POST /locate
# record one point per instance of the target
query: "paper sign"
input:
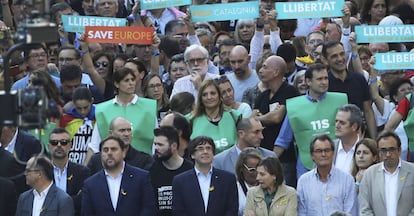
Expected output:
(229, 11)
(309, 9)
(127, 35)
(384, 33)
(394, 61)
(155, 4)
(78, 23)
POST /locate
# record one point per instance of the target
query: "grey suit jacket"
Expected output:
(372, 198)
(57, 203)
(227, 159)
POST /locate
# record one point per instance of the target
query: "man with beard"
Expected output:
(386, 188)
(122, 128)
(167, 165)
(120, 189)
(68, 176)
(224, 51)
(242, 77)
(196, 57)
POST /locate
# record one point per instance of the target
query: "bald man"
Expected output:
(270, 105)
(242, 77)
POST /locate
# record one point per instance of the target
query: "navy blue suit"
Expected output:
(136, 196)
(223, 198)
(26, 145)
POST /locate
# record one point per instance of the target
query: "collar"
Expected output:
(340, 147)
(44, 192)
(313, 100)
(64, 168)
(331, 172)
(120, 174)
(133, 101)
(385, 170)
(198, 172)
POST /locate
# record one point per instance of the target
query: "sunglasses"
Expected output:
(103, 64)
(250, 169)
(63, 142)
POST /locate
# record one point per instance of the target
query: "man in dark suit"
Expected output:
(45, 198)
(68, 176)
(119, 189)
(20, 143)
(8, 197)
(204, 190)
(10, 169)
(122, 128)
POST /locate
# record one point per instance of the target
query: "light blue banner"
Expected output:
(155, 4)
(394, 61)
(309, 9)
(224, 11)
(78, 23)
(384, 33)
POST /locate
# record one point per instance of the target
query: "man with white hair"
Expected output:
(196, 58)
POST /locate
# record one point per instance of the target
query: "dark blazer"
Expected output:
(223, 199)
(133, 157)
(8, 197)
(77, 174)
(136, 196)
(26, 145)
(57, 202)
(9, 168)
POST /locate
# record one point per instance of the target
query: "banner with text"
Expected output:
(78, 23)
(228, 11)
(155, 4)
(394, 61)
(384, 33)
(309, 9)
(127, 35)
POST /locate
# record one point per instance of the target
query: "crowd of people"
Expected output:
(237, 117)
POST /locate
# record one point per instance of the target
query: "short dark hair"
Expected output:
(176, 58)
(30, 47)
(120, 74)
(82, 93)
(59, 130)
(327, 45)
(77, 52)
(273, 167)
(287, 51)
(70, 72)
(200, 140)
(117, 139)
(182, 102)
(321, 137)
(169, 27)
(385, 134)
(169, 132)
(181, 123)
(356, 116)
(227, 42)
(395, 85)
(312, 68)
(43, 164)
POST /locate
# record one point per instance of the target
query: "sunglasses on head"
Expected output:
(62, 142)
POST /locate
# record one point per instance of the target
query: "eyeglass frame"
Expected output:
(250, 169)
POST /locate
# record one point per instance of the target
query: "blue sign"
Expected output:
(394, 61)
(155, 4)
(78, 23)
(384, 33)
(309, 9)
(225, 11)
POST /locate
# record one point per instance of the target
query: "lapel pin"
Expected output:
(70, 177)
(403, 178)
(211, 188)
(123, 192)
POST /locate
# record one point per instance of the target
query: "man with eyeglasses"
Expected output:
(35, 57)
(45, 198)
(249, 134)
(386, 188)
(168, 164)
(325, 188)
(69, 55)
(204, 190)
(196, 57)
(68, 176)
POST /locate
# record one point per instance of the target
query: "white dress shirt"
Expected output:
(38, 200)
(60, 176)
(344, 159)
(114, 186)
(204, 181)
(391, 190)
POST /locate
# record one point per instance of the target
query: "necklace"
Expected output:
(215, 119)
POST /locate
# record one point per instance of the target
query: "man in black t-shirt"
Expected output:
(167, 165)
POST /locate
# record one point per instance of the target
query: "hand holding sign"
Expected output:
(189, 23)
(346, 17)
